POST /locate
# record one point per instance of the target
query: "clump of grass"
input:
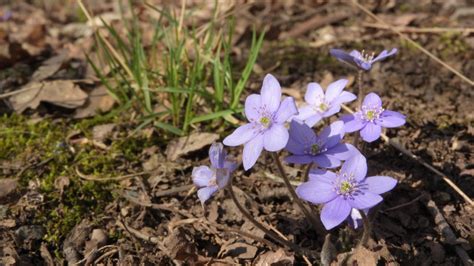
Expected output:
(186, 74)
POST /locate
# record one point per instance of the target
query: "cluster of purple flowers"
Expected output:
(345, 192)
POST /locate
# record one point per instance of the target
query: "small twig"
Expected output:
(260, 226)
(11, 93)
(115, 178)
(417, 159)
(406, 38)
(172, 191)
(308, 214)
(360, 94)
(447, 232)
(419, 30)
(367, 230)
(405, 204)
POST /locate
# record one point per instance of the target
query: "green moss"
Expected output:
(452, 44)
(44, 146)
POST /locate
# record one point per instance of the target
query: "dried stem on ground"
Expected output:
(260, 226)
(447, 232)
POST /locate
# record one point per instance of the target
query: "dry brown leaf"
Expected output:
(101, 132)
(60, 183)
(99, 100)
(193, 142)
(275, 258)
(49, 67)
(7, 186)
(241, 250)
(58, 92)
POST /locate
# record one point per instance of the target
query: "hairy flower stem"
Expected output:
(360, 96)
(367, 230)
(314, 222)
(260, 226)
(306, 173)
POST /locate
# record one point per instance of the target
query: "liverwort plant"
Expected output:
(361, 60)
(267, 116)
(342, 191)
(325, 150)
(320, 104)
(211, 179)
(371, 117)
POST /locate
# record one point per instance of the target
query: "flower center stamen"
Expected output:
(371, 113)
(366, 57)
(265, 121)
(345, 187)
(315, 149)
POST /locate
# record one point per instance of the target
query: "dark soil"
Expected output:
(156, 219)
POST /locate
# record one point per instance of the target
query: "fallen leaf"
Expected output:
(62, 93)
(101, 132)
(60, 183)
(278, 257)
(7, 186)
(99, 101)
(241, 250)
(49, 67)
(193, 142)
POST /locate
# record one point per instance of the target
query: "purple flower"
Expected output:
(320, 104)
(210, 179)
(344, 190)
(267, 117)
(371, 118)
(355, 219)
(325, 149)
(361, 60)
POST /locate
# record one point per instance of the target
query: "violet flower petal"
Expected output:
(352, 123)
(271, 93)
(241, 135)
(252, 150)
(332, 134)
(335, 108)
(357, 166)
(299, 159)
(202, 175)
(286, 111)
(384, 54)
(391, 119)
(217, 155)
(275, 138)
(335, 88)
(335, 212)
(316, 192)
(371, 132)
(372, 100)
(342, 151)
(364, 200)
(252, 106)
(343, 56)
(345, 97)
(380, 184)
(325, 161)
(313, 120)
(313, 92)
(304, 112)
(322, 175)
(205, 193)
